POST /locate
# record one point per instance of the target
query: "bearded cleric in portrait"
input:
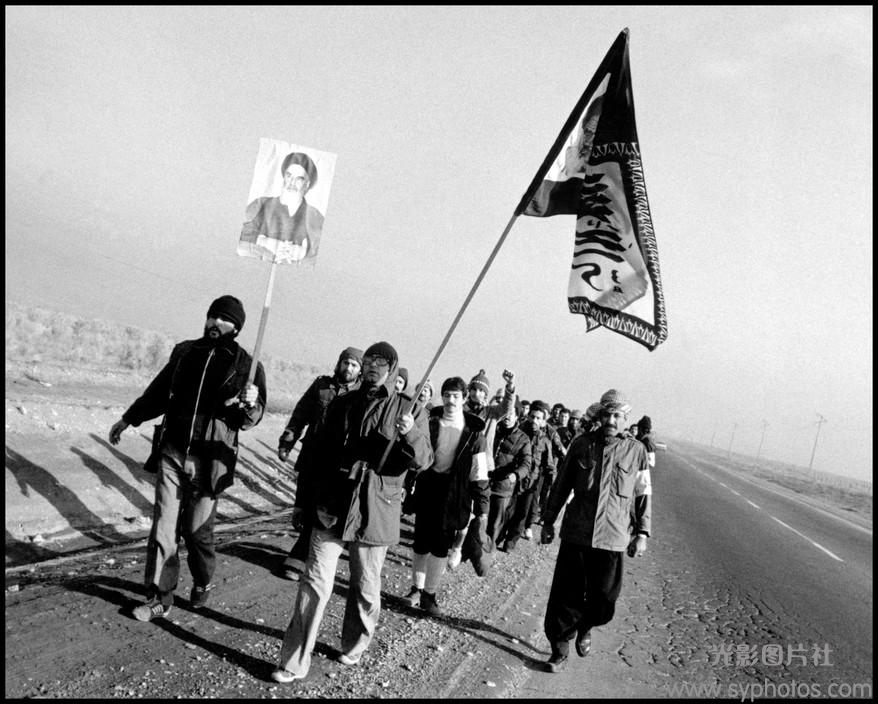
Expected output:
(285, 228)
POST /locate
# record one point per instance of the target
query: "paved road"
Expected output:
(735, 566)
(810, 571)
(732, 568)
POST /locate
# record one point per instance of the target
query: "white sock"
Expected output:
(419, 570)
(435, 569)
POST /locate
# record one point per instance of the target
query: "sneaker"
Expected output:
(347, 660)
(556, 663)
(199, 595)
(284, 676)
(413, 598)
(289, 574)
(428, 604)
(454, 556)
(150, 610)
(528, 534)
(583, 643)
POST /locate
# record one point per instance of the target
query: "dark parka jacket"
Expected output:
(543, 459)
(460, 496)
(365, 504)
(512, 455)
(308, 416)
(191, 391)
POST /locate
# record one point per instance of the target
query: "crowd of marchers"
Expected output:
(476, 472)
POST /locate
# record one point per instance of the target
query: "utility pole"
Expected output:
(759, 451)
(714, 433)
(811, 463)
(734, 428)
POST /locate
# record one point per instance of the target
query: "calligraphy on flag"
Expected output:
(286, 208)
(594, 171)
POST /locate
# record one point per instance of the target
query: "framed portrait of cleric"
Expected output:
(286, 207)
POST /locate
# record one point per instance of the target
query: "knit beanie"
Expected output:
(645, 424)
(614, 400)
(383, 349)
(229, 308)
(480, 381)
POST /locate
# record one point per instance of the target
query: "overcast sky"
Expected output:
(132, 135)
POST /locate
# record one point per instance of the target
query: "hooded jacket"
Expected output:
(355, 499)
(192, 390)
(605, 475)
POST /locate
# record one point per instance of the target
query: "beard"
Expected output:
(292, 199)
(214, 335)
(347, 376)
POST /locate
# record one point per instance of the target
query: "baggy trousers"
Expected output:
(585, 586)
(180, 509)
(362, 608)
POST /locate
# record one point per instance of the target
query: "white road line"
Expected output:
(733, 491)
(723, 485)
(751, 503)
(818, 545)
(787, 496)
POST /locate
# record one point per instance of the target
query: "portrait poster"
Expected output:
(287, 203)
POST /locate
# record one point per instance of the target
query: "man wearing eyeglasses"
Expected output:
(370, 439)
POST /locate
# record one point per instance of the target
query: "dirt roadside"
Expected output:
(76, 519)
(77, 513)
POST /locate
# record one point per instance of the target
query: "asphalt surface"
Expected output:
(737, 575)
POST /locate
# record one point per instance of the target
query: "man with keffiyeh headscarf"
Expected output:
(607, 470)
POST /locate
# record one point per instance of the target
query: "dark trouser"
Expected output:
(181, 508)
(533, 511)
(430, 499)
(299, 551)
(497, 515)
(540, 503)
(517, 521)
(585, 586)
(305, 489)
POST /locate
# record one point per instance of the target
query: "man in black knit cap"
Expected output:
(205, 398)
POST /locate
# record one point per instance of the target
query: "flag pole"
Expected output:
(619, 44)
(450, 332)
(257, 349)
